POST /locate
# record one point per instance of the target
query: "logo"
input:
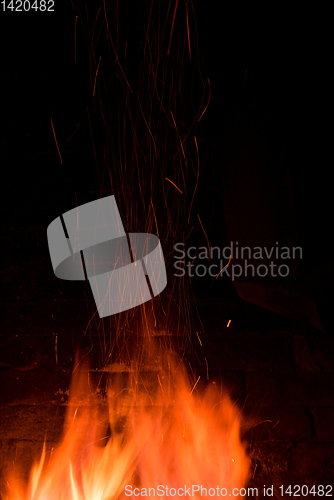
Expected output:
(123, 270)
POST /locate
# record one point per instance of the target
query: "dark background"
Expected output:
(287, 87)
(272, 65)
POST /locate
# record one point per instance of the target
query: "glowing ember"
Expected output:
(162, 435)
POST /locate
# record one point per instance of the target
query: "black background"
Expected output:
(273, 62)
(285, 51)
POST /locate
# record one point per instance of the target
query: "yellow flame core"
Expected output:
(160, 432)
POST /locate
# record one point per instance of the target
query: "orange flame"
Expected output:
(162, 435)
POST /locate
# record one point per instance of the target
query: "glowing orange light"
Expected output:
(168, 435)
(224, 267)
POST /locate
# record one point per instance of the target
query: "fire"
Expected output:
(152, 431)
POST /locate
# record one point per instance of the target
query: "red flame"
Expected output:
(164, 437)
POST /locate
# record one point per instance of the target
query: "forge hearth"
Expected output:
(140, 423)
(277, 374)
(208, 129)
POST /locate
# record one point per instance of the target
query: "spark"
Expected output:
(199, 340)
(156, 222)
(188, 234)
(113, 46)
(174, 184)
(148, 128)
(228, 324)
(54, 134)
(148, 25)
(192, 390)
(96, 75)
(207, 239)
(76, 130)
(188, 29)
(171, 32)
(207, 369)
(97, 441)
(254, 471)
(56, 349)
(162, 390)
(263, 422)
(207, 104)
(224, 267)
(184, 156)
(91, 47)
